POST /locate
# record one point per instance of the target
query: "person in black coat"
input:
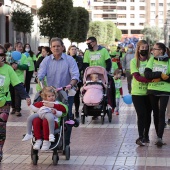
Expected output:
(72, 51)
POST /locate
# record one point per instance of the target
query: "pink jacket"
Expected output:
(93, 94)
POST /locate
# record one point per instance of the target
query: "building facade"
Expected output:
(6, 27)
(130, 15)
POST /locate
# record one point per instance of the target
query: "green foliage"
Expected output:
(111, 31)
(82, 25)
(54, 16)
(98, 29)
(118, 35)
(73, 24)
(152, 34)
(22, 20)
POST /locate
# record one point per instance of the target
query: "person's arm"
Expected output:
(86, 60)
(108, 64)
(140, 78)
(43, 68)
(22, 67)
(152, 75)
(38, 62)
(124, 63)
(80, 63)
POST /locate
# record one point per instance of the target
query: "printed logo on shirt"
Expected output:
(2, 80)
(117, 85)
(142, 69)
(95, 57)
(161, 68)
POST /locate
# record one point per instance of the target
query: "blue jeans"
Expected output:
(70, 106)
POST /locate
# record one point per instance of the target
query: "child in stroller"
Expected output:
(49, 109)
(94, 93)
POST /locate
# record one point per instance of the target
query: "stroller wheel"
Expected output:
(82, 119)
(110, 115)
(67, 152)
(34, 159)
(102, 120)
(55, 159)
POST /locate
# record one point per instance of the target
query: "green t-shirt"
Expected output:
(7, 77)
(161, 66)
(138, 88)
(118, 85)
(30, 61)
(114, 67)
(20, 73)
(96, 58)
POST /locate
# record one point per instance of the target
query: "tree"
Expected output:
(118, 35)
(22, 21)
(54, 16)
(98, 29)
(82, 25)
(111, 31)
(152, 34)
(73, 24)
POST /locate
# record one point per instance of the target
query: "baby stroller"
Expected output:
(100, 107)
(59, 143)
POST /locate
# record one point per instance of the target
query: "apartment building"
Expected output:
(130, 15)
(6, 27)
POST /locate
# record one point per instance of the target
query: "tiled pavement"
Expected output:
(93, 146)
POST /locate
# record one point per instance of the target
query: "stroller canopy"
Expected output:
(101, 71)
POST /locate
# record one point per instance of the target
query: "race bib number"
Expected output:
(161, 68)
(95, 57)
(29, 64)
(2, 80)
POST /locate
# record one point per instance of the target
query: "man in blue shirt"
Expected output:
(60, 69)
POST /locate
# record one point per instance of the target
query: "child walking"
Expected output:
(51, 114)
(118, 86)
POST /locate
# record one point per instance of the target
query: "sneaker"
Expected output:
(46, 145)
(117, 113)
(27, 137)
(160, 142)
(140, 142)
(18, 114)
(146, 140)
(13, 111)
(51, 138)
(168, 122)
(37, 144)
(94, 117)
(1, 156)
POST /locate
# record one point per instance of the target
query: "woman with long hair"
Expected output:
(139, 91)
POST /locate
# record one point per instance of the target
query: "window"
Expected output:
(122, 24)
(152, 4)
(132, 24)
(132, 16)
(121, 0)
(152, 12)
(141, 16)
(121, 16)
(141, 24)
(98, 16)
(160, 21)
(98, 8)
(135, 31)
(132, 8)
(142, 8)
(132, 0)
(168, 4)
(121, 7)
(160, 12)
(124, 31)
(161, 4)
(141, 0)
(152, 21)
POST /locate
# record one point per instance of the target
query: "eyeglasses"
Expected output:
(90, 42)
(156, 49)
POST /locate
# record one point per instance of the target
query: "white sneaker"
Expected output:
(37, 144)
(51, 138)
(46, 145)
(27, 137)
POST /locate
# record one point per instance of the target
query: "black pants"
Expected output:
(159, 104)
(16, 99)
(28, 80)
(77, 98)
(143, 109)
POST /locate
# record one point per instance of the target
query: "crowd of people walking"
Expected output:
(148, 80)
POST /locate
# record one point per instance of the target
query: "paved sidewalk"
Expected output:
(93, 146)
